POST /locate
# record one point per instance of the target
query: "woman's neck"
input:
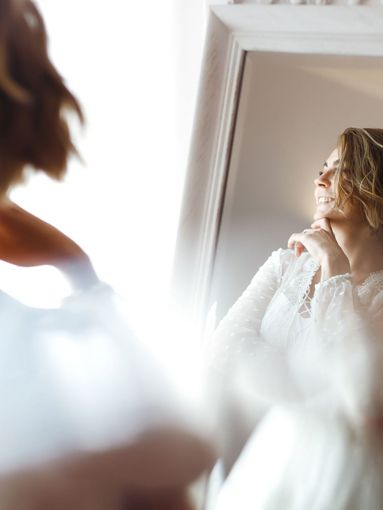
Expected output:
(362, 247)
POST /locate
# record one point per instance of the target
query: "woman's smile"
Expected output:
(324, 200)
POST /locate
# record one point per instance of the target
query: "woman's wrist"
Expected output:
(334, 266)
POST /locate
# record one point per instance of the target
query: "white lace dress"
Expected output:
(317, 367)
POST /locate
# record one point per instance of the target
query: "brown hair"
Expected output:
(33, 98)
(360, 172)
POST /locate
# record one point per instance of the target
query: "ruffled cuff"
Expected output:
(332, 291)
(334, 281)
(332, 303)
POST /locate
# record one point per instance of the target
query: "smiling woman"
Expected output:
(326, 196)
(303, 346)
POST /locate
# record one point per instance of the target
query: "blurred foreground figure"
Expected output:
(303, 347)
(87, 419)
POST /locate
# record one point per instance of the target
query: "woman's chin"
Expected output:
(324, 212)
(318, 215)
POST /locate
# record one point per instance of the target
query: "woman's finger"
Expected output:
(319, 223)
(323, 223)
(292, 240)
(299, 249)
(300, 237)
(295, 243)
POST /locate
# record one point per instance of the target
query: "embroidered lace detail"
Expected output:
(297, 285)
(238, 335)
(298, 279)
(238, 332)
(373, 283)
(333, 280)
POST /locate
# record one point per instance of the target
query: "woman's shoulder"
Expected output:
(370, 292)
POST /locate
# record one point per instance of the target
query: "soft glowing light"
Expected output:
(122, 207)
(135, 70)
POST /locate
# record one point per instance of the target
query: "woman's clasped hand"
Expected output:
(320, 242)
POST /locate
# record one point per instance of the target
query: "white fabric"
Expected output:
(317, 367)
(74, 379)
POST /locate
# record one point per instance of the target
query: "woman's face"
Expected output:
(324, 188)
(325, 194)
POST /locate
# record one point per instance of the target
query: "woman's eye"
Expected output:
(320, 173)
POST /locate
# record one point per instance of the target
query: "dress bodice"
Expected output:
(315, 367)
(282, 346)
(288, 318)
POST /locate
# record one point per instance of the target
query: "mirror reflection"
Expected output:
(297, 360)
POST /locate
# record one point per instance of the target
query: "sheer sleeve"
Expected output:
(339, 368)
(243, 364)
(349, 347)
(239, 329)
(236, 337)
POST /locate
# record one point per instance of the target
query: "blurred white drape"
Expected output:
(135, 67)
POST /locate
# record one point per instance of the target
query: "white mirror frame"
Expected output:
(235, 28)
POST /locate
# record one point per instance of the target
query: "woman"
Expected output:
(304, 343)
(87, 419)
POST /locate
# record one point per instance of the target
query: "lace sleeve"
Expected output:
(238, 332)
(237, 336)
(243, 366)
(349, 350)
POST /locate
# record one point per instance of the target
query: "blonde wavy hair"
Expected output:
(34, 100)
(359, 178)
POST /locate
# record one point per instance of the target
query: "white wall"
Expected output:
(191, 21)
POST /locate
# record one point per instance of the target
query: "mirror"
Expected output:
(291, 109)
(303, 63)
(279, 82)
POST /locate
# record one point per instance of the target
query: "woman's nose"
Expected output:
(323, 181)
